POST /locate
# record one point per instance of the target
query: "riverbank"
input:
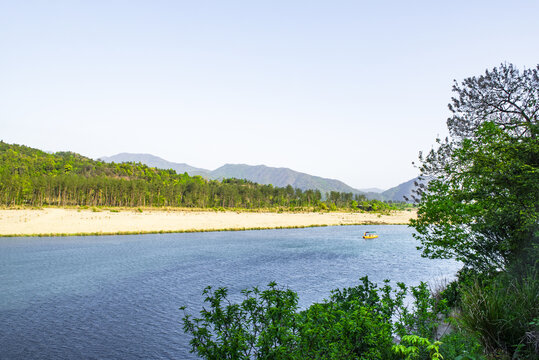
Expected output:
(72, 221)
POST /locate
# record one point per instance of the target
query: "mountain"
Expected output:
(262, 174)
(35, 178)
(281, 177)
(398, 192)
(157, 162)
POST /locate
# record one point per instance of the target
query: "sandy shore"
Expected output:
(73, 221)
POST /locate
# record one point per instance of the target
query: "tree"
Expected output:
(504, 96)
(482, 204)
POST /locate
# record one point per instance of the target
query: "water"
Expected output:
(117, 297)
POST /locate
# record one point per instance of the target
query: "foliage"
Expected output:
(424, 320)
(354, 323)
(466, 277)
(261, 326)
(481, 207)
(482, 204)
(503, 312)
(505, 96)
(416, 345)
(451, 294)
(34, 178)
(461, 345)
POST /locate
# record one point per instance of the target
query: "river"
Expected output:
(117, 297)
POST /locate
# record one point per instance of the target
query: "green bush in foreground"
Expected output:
(504, 312)
(461, 345)
(360, 322)
(415, 345)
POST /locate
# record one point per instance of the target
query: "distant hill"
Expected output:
(31, 177)
(157, 162)
(281, 177)
(261, 174)
(398, 192)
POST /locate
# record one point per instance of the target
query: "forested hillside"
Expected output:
(33, 177)
(260, 174)
(266, 175)
(281, 177)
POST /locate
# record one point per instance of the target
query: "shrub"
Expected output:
(466, 277)
(502, 312)
(354, 323)
(451, 294)
(418, 347)
(461, 345)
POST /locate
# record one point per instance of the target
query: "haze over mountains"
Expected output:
(262, 174)
(157, 162)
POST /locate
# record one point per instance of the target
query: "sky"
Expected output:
(350, 90)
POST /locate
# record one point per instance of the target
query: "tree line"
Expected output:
(35, 178)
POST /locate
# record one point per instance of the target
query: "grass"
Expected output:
(188, 230)
(162, 231)
(503, 313)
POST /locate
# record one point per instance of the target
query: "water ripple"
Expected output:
(117, 297)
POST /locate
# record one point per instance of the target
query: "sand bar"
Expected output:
(60, 221)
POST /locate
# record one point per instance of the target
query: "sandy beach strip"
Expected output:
(59, 221)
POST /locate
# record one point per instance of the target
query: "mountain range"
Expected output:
(262, 174)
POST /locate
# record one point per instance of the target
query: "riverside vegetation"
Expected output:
(30, 177)
(481, 207)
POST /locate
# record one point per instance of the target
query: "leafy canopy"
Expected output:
(482, 203)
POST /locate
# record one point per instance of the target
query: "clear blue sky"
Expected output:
(351, 90)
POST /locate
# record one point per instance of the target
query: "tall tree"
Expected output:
(482, 204)
(505, 96)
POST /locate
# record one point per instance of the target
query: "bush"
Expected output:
(503, 312)
(451, 294)
(354, 323)
(335, 330)
(466, 277)
(413, 347)
(461, 345)
(262, 326)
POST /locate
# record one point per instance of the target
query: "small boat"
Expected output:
(370, 235)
